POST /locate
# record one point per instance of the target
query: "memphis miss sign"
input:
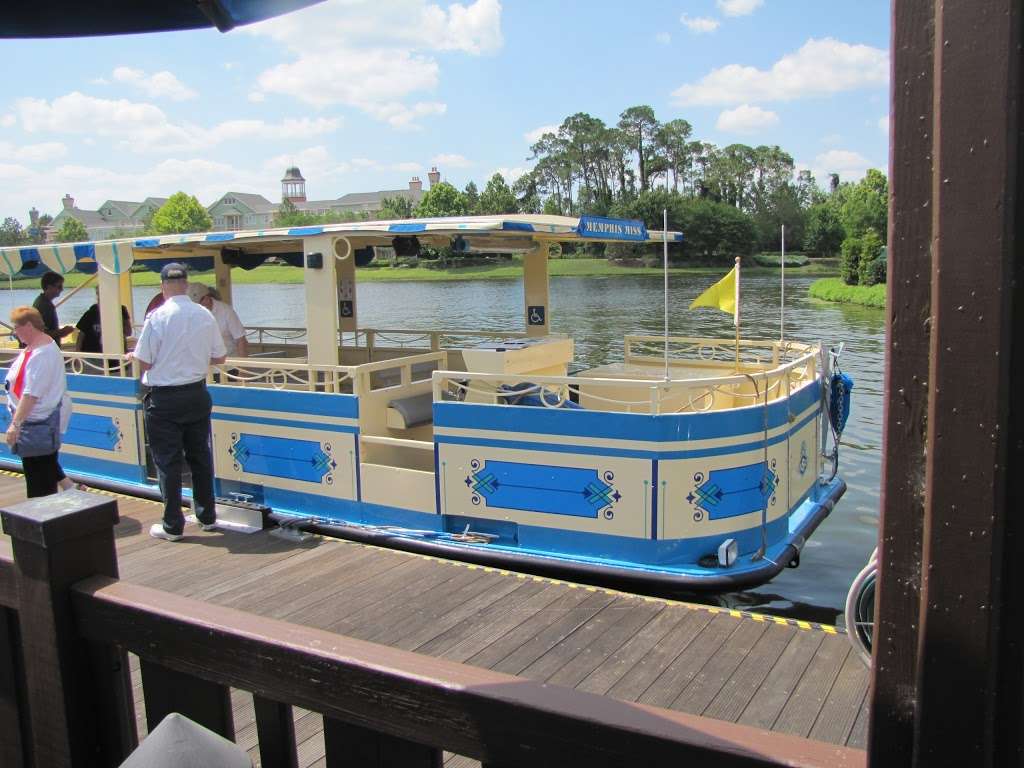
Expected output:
(619, 229)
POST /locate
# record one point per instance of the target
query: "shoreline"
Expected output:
(512, 270)
(835, 291)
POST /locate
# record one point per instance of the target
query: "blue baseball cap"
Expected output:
(173, 271)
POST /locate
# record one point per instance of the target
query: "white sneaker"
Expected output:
(208, 526)
(157, 532)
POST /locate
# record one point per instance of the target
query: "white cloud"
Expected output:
(848, 164)
(532, 137)
(401, 116)
(91, 185)
(663, 37)
(376, 56)
(8, 121)
(290, 129)
(159, 85)
(142, 127)
(511, 175)
(819, 68)
(257, 97)
(100, 81)
(883, 125)
(33, 153)
(739, 7)
(699, 24)
(746, 119)
(451, 161)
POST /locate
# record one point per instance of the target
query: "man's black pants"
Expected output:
(178, 422)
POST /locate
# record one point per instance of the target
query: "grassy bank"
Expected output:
(834, 289)
(505, 270)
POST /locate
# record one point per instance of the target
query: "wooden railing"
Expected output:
(65, 699)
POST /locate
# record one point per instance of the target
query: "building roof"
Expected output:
(363, 198)
(255, 203)
(127, 207)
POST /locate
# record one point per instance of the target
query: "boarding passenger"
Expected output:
(231, 329)
(52, 285)
(175, 349)
(90, 330)
(37, 402)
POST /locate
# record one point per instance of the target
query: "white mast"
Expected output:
(664, 239)
(782, 307)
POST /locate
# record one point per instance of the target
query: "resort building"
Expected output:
(235, 210)
(240, 210)
(111, 219)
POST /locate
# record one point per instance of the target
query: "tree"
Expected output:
(396, 208)
(442, 199)
(824, 234)
(497, 197)
(526, 193)
(37, 234)
(472, 195)
(640, 126)
(287, 215)
(866, 205)
(72, 231)
(11, 232)
(181, 213)
(673, 140)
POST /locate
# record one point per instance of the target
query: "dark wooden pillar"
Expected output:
(79, 696)
(947, 680)
(906, 383)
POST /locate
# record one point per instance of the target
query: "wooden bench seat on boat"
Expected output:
(409, 412)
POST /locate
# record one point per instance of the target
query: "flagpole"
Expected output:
(664, 237)
(736, 315)
(782, 307)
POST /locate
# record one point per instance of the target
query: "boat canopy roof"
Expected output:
(248, 249)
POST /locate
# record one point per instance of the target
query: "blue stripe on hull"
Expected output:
(282, 401)
(619, 426)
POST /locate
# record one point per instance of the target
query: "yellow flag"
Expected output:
(721, 295)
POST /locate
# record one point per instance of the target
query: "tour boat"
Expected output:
(690, 464)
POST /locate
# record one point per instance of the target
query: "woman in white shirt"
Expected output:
(36, 385)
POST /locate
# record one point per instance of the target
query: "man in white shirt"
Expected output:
(231, 329)
(175, 349)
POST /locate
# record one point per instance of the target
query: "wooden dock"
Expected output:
(773, 673)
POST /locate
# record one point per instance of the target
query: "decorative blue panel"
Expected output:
(734, 491)
(543, 488)
(305, 460)
(92, 431)
(85, 429)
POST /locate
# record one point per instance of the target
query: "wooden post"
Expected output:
(890, 732)
(535, 291)
(13, 723)
(954, 426)
(79, 696)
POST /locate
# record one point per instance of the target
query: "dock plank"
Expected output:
(843, 704)
(762, 672)
(767, 703)
(735, 695)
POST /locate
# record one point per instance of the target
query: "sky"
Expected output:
(364, 94)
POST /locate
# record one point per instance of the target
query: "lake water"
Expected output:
(598, 313)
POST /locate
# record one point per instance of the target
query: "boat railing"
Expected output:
(685, 350)
(283, 374)
(656, 395)
(90, 363)
(279, 340)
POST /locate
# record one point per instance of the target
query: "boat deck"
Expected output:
(778, 674)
